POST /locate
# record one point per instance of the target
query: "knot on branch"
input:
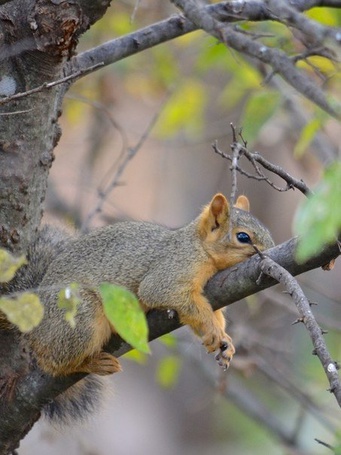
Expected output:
(54, 25)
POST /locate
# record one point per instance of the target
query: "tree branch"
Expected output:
(211, 19)
(36, 388)
(166, 30)
(276, 58)
(254, 157)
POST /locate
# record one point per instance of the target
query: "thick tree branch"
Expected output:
(35, 389)
(166, 30)
(276, 58)
(211, 18)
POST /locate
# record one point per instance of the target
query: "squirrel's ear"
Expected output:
(214, 215)
(242, 203)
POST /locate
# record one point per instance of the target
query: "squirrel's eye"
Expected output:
(243, 237)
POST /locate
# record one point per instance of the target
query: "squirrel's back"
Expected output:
(123, 253)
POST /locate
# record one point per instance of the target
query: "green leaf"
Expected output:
(9, 264)
(168, 371)
(168, 340)
(123, 310)
(259, 108)
(25, 311)
(136, 356)
(318, 220)
(69, 300)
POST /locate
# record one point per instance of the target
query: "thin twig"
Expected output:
(256, 157)
(233, 168)
(271, 268)
(115, 181)
(324, 444)
(49, 85)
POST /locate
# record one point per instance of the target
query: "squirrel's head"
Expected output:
(231, 235)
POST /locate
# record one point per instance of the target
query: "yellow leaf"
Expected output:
(25, 311)
(325, 65)
(323, 15)
(184, 111)
(9, 264)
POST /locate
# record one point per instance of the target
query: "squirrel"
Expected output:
(165, 269)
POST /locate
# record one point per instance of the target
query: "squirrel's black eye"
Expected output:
(243, 237)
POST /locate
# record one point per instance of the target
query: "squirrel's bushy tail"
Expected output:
(80, 400)
(77, 403)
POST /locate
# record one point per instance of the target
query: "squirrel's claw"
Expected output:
(224, 345)
(225, 354)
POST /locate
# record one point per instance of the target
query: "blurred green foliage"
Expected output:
(318, 220)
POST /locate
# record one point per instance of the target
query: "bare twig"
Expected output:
(115, 181)
(49, 85)
(236, 153)
(271, 268)
(256, 157)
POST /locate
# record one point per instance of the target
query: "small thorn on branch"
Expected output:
(288, 293)
(297, 321)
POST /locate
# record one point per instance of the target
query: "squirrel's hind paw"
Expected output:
(102, 364)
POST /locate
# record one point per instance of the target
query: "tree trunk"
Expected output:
(37, 39)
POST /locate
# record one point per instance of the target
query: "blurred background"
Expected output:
(137, 144)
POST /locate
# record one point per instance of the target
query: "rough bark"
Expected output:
(37, 38)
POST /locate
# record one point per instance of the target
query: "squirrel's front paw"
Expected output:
(225, 346)
(225, 354)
